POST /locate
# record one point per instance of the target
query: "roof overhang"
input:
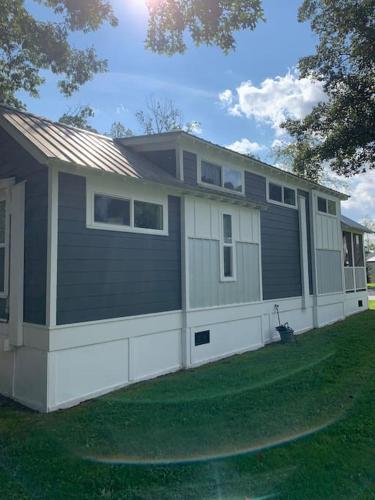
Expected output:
(168, 140)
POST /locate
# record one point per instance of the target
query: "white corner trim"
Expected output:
(52, 240)
(303, 250)
(16, 279)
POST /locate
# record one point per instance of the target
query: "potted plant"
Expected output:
(285, 331)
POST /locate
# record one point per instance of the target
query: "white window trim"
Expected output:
(223, 278)
(325, 197)
(282, 185)
(222, 166)
(91, 191)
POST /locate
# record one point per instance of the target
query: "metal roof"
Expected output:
(352, 224)
(56, 141)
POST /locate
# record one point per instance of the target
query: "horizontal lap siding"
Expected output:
(109, 274)
(281, 267)
(15, 162)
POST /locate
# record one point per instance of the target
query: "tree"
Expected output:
(28, 46)
(119, 130)
(163, 116)
(369, 242)
(288, 155)
(210, 22)
(78, 117)
(340, 131)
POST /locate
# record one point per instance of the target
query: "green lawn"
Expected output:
(370, 285)
(288, 421)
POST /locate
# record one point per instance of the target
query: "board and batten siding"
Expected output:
(328, 243)
(110, 274)
(203, 230)
(329, 266)
(16, 162)
(281, 264)
(206, 289)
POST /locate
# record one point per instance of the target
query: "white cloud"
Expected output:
(362, 201)
(121, 108)
(226, 97)
(196, 128)
(244, 146)
(275, 100)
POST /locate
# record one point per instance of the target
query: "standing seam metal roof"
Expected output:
(81, 147)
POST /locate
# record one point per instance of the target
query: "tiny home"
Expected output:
(125, 259)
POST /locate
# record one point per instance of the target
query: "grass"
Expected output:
(370, 285)
(288, 421)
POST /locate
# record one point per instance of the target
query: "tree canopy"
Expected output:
(339, 132)
(163, 116)
(210, 22)
(79, 117)
(28, 46)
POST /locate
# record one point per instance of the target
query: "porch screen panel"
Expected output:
(347, 245)
(358, 250)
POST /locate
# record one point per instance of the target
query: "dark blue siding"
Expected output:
(15, 162)
(105, 274)
(190, 168)
(281, 265)
(166, 160)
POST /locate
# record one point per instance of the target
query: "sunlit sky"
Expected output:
(239, 99)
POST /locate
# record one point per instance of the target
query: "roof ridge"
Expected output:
(53, 122)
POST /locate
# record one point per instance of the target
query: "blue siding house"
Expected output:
(124, 259)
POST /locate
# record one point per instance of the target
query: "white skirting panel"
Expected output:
(330, 308)
(227, 338)
(63, 366)
(6, 372)
(356, 302)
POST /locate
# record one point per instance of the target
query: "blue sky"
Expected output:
(239, 99)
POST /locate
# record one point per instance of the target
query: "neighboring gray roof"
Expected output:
(56, 141)
(352, 224)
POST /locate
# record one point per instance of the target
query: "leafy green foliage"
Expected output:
(119, 130)
(340, 131)
(79, 117)
(28, 46)
(210, 22)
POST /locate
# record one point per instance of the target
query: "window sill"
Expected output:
(125, 229)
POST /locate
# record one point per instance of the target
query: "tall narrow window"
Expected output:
(228, 248)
